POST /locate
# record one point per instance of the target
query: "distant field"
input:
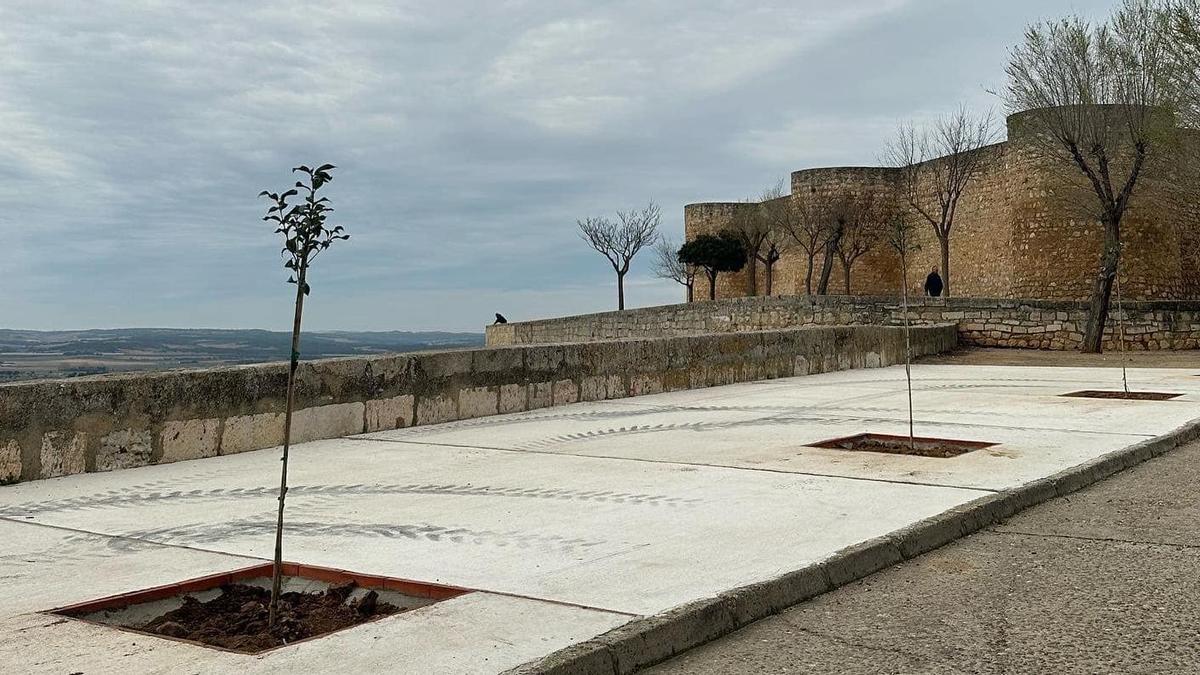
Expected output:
(28, 355)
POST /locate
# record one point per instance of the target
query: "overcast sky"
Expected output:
(469, 136)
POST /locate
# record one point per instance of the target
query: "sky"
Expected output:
(135, 136)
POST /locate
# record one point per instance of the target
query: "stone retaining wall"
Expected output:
(1038, 324)
(59, 427)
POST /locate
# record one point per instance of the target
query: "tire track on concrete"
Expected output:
(113, 499)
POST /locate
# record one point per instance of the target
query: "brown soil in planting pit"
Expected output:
(942, 448)
(1125, 396)
(237, 619)
(920, 449)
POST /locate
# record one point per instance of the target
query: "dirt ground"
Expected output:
(981, 356)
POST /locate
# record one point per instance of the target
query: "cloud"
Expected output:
(582, 74)
(469, 136)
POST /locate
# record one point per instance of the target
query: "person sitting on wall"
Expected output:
(933, 284)
(500, 320)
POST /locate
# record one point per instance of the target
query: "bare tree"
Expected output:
(864, 229)
(750, 225)
(936, 165)
(667, 265)
(620, 241)
(839, 210)
(1101, 101)
(1183, 22)
(775, 207)
(805, 219)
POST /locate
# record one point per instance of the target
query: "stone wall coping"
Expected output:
(852, 300)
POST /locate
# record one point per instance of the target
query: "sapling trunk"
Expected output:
(912, 441)
(277, 570)
(304, 235)
(1121, 332)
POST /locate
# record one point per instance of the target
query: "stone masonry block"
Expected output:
(190, 439)
(496, 360)
(565, 391)
(386, 414)
(543, 359)
(63, 453)
(593, 388)
(124, 449)
(512, 398)
(616, 387)
(436, 365)
(642, 384)
(327, 421)
(252, 432)
(10, 462)
(436, 409)
(541, 395)
(477, 402)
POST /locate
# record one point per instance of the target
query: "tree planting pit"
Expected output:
(229, 611)
(941, 448)
(1123, 395)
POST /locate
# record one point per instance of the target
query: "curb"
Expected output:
(649, 640)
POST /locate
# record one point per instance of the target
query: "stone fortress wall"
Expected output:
(981, 322)
(1016, 234)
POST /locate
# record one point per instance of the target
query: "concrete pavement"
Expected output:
(568, 521)
(1106, 580)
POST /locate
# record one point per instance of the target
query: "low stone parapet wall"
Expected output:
(1037, 324)
(55, 428)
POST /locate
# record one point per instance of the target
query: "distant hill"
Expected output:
(26, 354)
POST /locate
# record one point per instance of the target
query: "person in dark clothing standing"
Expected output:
(933, 284)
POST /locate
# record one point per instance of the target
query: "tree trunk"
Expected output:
(770, 267)
(846, 275)
(826, 272)
(808, 275)
(712, 285)
(827, 264)
(620, 291)
(1093, 334)
(691, 291)
(277, 569)
(945, 245)
(752, 277)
